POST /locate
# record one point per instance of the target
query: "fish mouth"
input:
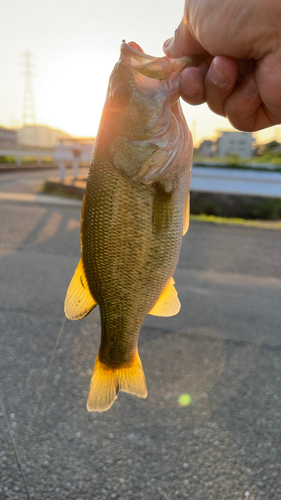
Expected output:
(157, 68)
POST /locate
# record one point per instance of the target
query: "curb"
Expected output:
(43, 199)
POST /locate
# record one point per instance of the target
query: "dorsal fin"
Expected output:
(168, 303)
(79, 300)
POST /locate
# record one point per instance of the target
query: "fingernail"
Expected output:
(250, 86)
(216, 76)
(167, 43)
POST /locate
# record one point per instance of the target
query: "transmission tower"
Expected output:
(29, 116)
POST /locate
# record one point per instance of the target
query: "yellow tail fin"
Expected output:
(107, 382)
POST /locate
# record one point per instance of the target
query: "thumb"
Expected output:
(182, 43)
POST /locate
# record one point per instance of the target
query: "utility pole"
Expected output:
(29, 116)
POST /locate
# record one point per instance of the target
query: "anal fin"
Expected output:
(186, 214)
(79, 300)
(106, 382)
(168, 303)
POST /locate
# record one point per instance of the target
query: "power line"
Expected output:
(16, 451)
(50, 366)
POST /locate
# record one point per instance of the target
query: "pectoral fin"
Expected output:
(168, 303)
(79, 300)
(163, 211)
(186, 214)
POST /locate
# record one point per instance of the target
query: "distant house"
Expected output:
(206, 148)
(234, 143)
(8, 138)
(40, 136)
(276, 149)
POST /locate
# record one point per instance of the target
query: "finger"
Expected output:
(192, 84)
(219, 83)
(245, 110)
(268, 77)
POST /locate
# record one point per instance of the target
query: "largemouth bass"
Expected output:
(134, 214)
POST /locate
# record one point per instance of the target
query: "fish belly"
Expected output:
(128, 254)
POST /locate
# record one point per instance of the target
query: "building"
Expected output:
(8, 138)
(40, 136)
(234, 143)
(206, 148)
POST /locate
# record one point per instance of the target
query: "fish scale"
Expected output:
(128, 271)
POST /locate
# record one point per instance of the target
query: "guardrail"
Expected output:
(239, 182)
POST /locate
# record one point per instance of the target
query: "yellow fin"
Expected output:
(79, 300)
(186, 214)
(107, 382)
(168, 303)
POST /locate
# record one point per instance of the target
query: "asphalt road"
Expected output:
(223, 350)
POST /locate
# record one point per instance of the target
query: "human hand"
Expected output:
(239, 75)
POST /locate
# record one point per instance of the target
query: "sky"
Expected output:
(75, 45)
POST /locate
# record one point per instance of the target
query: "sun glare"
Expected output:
(70, 94)
(72, 90)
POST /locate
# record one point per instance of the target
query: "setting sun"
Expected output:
(71, 91)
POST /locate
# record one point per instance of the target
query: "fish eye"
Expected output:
(120, 96)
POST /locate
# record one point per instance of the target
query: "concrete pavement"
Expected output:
(223, 349)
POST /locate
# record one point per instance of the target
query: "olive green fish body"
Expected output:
(135, 212)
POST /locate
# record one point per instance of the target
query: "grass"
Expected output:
(235, 206)
(58, 190)
(271, 163)
(263, 224)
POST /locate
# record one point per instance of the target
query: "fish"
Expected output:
(135, 212)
